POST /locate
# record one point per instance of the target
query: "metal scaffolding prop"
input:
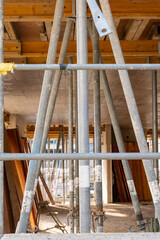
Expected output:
(154, 120)
(1, 114)
(56, 82)
(70, 148)
(83, 125)
(97, 131)
(121, 147)
(80, 156)
(65, 67)
(76, 161)
(34, 166)
(60, 136)
(63, 169)
(132, 107)
(119, 139)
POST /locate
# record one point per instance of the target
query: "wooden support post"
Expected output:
(47, 189)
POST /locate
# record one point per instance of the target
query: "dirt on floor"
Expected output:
(119, 217)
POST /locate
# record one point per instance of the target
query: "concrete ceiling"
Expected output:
(22, 93)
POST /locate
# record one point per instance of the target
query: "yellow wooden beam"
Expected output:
(39, 10)
(129, 48)
(36, 52)
(12, 46)
(107, 60)
(133, 29)
(141, 28)
(54, 131)
(11, 30)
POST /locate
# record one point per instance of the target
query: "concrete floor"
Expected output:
(119, 217)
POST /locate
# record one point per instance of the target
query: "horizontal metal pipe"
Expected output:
(87, 67)
(80, 156)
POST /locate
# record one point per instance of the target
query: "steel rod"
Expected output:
(76, 161)
(119, 139)
(55, 162)
(80, 156)
(65, 67)
(97, 130)
(1, 115)
(83, 124)
(70, 148)
(154, 120)
(56, 82)
(49, 164)
(34, 166)
(94, 174)
(154, 123)
(121, 147)
(66, 151)
(132, 107)
(63, 174)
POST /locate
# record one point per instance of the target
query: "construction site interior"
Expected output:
(79, 113)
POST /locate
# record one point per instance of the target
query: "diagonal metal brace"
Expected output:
(100, 21)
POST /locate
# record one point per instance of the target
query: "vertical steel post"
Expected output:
(94, 172)
(97, 131)
(63, 174)
(56, 82)
(1, 114)
(154, 123)
(154, 120)
(49, 164)
(121, 147)
(132, 107)
(34, 166)
(76, 161)
(83, 126)
(70, 147)
(55, 161)
(119, 139)
(66, 168)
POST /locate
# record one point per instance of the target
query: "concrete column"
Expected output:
(16, 121)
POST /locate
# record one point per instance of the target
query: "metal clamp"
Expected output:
(73, 215)
(100, 21)
(140, 226)
(95, 215)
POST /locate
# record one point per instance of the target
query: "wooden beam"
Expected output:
(11, 30)
(36, 52)
(144, 34)
(46, 189)
(16, 60)
(121, 28)
(6, 36)
(12, 47)
(130, 48)
(116, 22)
(141, 29)
(48, 26)
(43, 34)
(133, 29)
(106, 59)
(32, 10)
